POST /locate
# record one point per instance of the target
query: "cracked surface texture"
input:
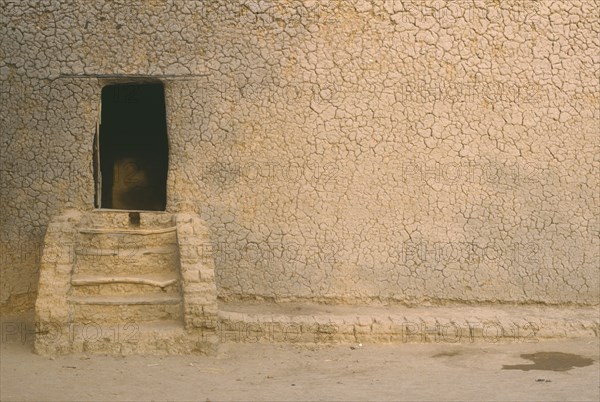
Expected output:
(340, 151)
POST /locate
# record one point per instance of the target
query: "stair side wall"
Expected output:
(197, 274)
(52, 315)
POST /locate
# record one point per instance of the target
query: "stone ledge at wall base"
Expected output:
(112, 285)
(316, 324)
(306, 323)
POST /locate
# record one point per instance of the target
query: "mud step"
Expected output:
(149, 299)
(128, 249)
(103, 239)
(124, 313)
(157, 280)
(146, 338)
(141, 232)
(126, 266)
(122, 219)
(122, 289)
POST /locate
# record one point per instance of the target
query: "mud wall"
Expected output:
(343, 151)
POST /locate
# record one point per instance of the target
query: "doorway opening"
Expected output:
(132, 148)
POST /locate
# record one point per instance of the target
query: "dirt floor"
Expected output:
(543, 371)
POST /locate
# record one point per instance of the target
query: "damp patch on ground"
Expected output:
(551, 361)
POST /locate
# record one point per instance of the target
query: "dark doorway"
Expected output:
(133, 148)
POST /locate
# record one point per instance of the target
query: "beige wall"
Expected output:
(339, 150)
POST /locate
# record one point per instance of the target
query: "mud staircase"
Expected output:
(113, 282)
(126, 276)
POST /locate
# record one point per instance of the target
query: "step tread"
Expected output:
(159, 280)
(127, 299)
(142, 232)
(168, 248)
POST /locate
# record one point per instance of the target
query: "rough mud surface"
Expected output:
(339, 151)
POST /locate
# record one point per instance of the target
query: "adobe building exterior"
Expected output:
(166, 161)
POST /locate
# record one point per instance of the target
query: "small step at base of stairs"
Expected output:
(149, 338)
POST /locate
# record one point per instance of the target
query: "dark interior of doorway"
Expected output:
(133, 147)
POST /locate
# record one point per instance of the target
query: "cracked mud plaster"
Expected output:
(424, 151)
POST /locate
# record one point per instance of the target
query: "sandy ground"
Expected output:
(246, 371)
